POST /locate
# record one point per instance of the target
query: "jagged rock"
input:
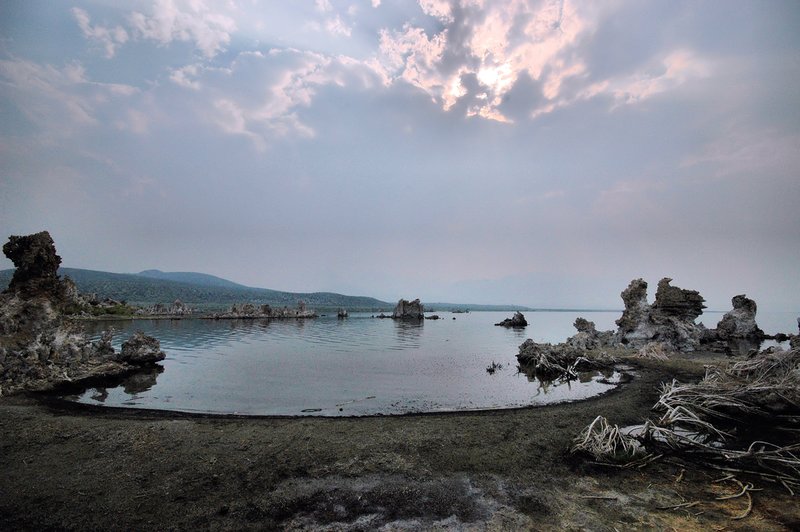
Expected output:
(408, 310)
(582, 325)
(741, 321)
(669, 320)
(518, 320)
(637, 309)
(36, 262)
(588, 337)
(794, 341)
(38, 348)
(141, 349)
(678, 302)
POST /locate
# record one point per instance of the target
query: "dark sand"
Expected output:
(78, 468)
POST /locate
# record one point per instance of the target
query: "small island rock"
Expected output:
(518, 320)
(408, 310)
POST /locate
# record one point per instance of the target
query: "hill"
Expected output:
(206, 292)
(202, 279)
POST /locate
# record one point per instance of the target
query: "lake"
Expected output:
(350, 367)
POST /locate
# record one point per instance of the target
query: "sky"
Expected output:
(515, 152)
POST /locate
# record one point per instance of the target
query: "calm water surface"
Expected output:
(356, 366)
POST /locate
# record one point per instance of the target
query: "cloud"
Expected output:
(109, 38)
(483, 49)
(58, 99)
(184, 21)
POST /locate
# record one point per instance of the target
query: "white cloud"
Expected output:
(501, 42)
(437, 8)
(185, 21)
(376, 3)
(109, 38)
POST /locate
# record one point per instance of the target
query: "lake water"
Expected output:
(356, 366)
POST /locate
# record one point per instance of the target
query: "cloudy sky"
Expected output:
(532, 152)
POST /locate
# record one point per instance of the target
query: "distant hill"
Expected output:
(204, 292)
(202, 279)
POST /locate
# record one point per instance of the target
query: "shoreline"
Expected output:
(119, 469)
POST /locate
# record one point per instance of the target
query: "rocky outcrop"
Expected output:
(408, 310)
(177, 309)
(670, 319)
(248, 311)
(518, 320)
(141, 349)
(741, 321)
(678, 302)
(588, 337)
(39, 349)
(36, 262)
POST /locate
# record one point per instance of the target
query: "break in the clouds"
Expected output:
(533, 152)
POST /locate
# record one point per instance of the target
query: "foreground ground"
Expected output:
(86, 468)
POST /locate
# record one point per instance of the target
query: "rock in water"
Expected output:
(408, 310)
(518, 320)
(141, 349)
(741, 321)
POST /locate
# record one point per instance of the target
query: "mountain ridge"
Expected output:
(207, 292)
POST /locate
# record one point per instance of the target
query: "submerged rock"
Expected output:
(741, 321)
(408, 310)
(518, 320)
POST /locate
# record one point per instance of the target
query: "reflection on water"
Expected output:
(333, 367)
(357, 366)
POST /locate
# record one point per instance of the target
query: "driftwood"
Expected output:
(708, 423)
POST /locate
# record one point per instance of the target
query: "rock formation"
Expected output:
(248, 311)
(178, 308)
(741, 321)
(670, 319)
(141, 349)
(588, 337)
(518, 320)
(342, 313)
(36, 262)
(39, 349)
(408, 310)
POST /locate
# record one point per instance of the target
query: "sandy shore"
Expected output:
(79, 468)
